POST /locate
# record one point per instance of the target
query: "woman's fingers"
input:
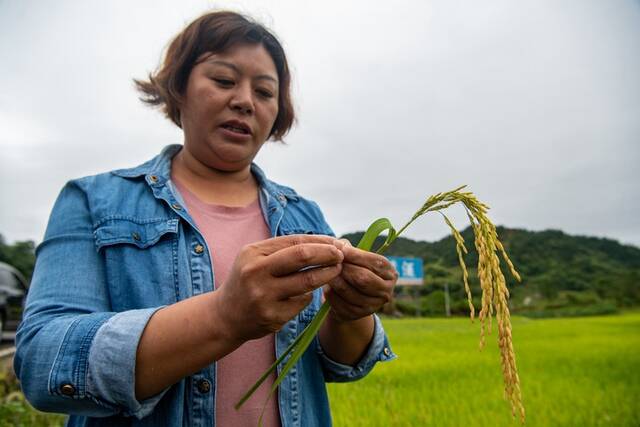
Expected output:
(306, 281)
(343, 310)
(365, 284)
(274, 244)
(352, 295)
(366, 281)
(376, 263)
(299, 256)
(349, 303)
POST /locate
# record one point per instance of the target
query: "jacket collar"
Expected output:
(158, 171)
(159, 166)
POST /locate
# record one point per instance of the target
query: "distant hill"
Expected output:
(562, 274)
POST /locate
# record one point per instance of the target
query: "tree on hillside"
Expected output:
(555, 267)
(21, 255)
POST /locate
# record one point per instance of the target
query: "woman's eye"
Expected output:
(224, 82)
(264, 93)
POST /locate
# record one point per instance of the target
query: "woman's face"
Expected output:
(229, 107)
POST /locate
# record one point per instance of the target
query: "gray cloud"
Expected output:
(535, 105)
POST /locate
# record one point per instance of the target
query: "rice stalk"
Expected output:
(492, 283)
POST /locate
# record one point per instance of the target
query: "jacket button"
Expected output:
(153, 178)
(204, 386)
(199, 249)
(135, 236)
(68, 390)
(386, 351)
(176, 206)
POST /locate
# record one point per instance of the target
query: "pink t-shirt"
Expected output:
(226, 230)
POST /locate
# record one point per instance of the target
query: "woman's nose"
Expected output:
(241, 100)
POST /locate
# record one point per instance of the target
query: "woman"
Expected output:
(122, 325)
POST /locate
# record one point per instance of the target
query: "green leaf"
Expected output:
(307, 337)
(268, 372)
(375, 229)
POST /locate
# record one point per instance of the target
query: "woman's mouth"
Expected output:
(236, 129)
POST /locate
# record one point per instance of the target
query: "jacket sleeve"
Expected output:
(74, 354)
(379, 350)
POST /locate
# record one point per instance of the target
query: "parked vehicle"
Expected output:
(13, 290)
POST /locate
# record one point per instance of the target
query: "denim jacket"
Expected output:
(118, 247)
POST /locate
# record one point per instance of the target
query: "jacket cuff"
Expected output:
(111, 372)
(68, 375)
(379, 350)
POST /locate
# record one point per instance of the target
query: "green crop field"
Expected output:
(574, 372)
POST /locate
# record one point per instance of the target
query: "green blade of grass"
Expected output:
(375, 229)
(307, 335)
(268, 372)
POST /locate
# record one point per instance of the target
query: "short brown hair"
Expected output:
(215, 32)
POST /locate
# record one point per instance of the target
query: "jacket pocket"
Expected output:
(141, 233)
(141, 260)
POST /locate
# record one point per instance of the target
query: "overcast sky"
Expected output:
(534, 104)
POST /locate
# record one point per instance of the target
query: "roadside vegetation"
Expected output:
(15, 411)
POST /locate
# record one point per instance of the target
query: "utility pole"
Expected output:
(447, 307)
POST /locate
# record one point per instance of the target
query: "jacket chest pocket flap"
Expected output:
(141, 233)
(139, 264)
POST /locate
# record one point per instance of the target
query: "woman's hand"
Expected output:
(272, 280)
(264, 290)
(364, 285)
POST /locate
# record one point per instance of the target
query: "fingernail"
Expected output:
(338, 244)
(346, 242)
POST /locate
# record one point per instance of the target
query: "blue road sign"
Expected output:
(410, 270)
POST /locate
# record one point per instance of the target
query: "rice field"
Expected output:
(573, 372)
